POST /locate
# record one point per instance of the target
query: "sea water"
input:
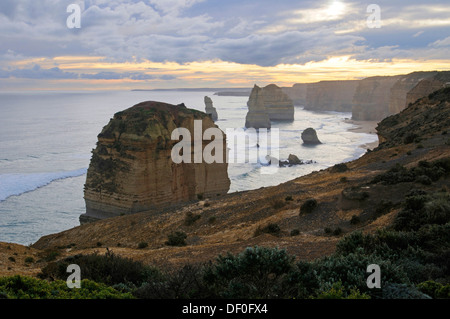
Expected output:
(46, 139)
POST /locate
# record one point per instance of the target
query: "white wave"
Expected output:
(17, 184)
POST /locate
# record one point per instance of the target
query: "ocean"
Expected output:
(46, 139)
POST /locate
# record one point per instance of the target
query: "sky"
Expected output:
(162, 44)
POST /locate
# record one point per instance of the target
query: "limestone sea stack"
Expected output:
(278, 104)
(132, 170)
(210, 109)
(257, 115)
(309, 137)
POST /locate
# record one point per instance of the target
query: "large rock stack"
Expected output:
(257, 116)
(132, 170)
(278, 104)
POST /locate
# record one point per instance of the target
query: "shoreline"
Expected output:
(368, 127)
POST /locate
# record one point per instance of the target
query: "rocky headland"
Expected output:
(342, 194)
(131, 169)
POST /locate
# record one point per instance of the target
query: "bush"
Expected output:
(295, 232)
(21, 287)
(255, 273)
(339, 168)
(177, 238)
(355, 220)
(109, 269)
(288, 198)
(142, 245)
(272, 228)
(308, 206)
(277, 203)
(191, 218)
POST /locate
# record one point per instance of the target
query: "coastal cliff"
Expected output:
(372, 96)
(330, 95)
(297, 93)
(398, 93)
(428, 86)
(131, 169)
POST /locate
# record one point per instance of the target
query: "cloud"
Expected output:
(37, 72)
(264, 32)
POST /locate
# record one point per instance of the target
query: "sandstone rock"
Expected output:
(428, 86)
(257, 116)
(278, 104)
(131, 169)
(294, 160)
(399, 91)
(371, 99)
(210, 109)
(297, 93)
(309, 137)
(330, 95)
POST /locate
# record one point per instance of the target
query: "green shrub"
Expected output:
(109, 269)
(277, 203)
(271, 228)
(29, 260)
(21, 287)
(344, 179)
(142, 245)
(255, 273)
(288, 198)
(355, 220)
(295, 232)
(191, 218)
(337, 291)
(339, 168)
(177, 238)
(308, 206)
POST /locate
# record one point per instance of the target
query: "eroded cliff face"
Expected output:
(257, 115)
(427, 86)
(372, 96)
(131, 169)
(330, 95)
(297, 93)
(398, 93)
(278, 104)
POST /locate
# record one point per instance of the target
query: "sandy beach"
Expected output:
(368, 127)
